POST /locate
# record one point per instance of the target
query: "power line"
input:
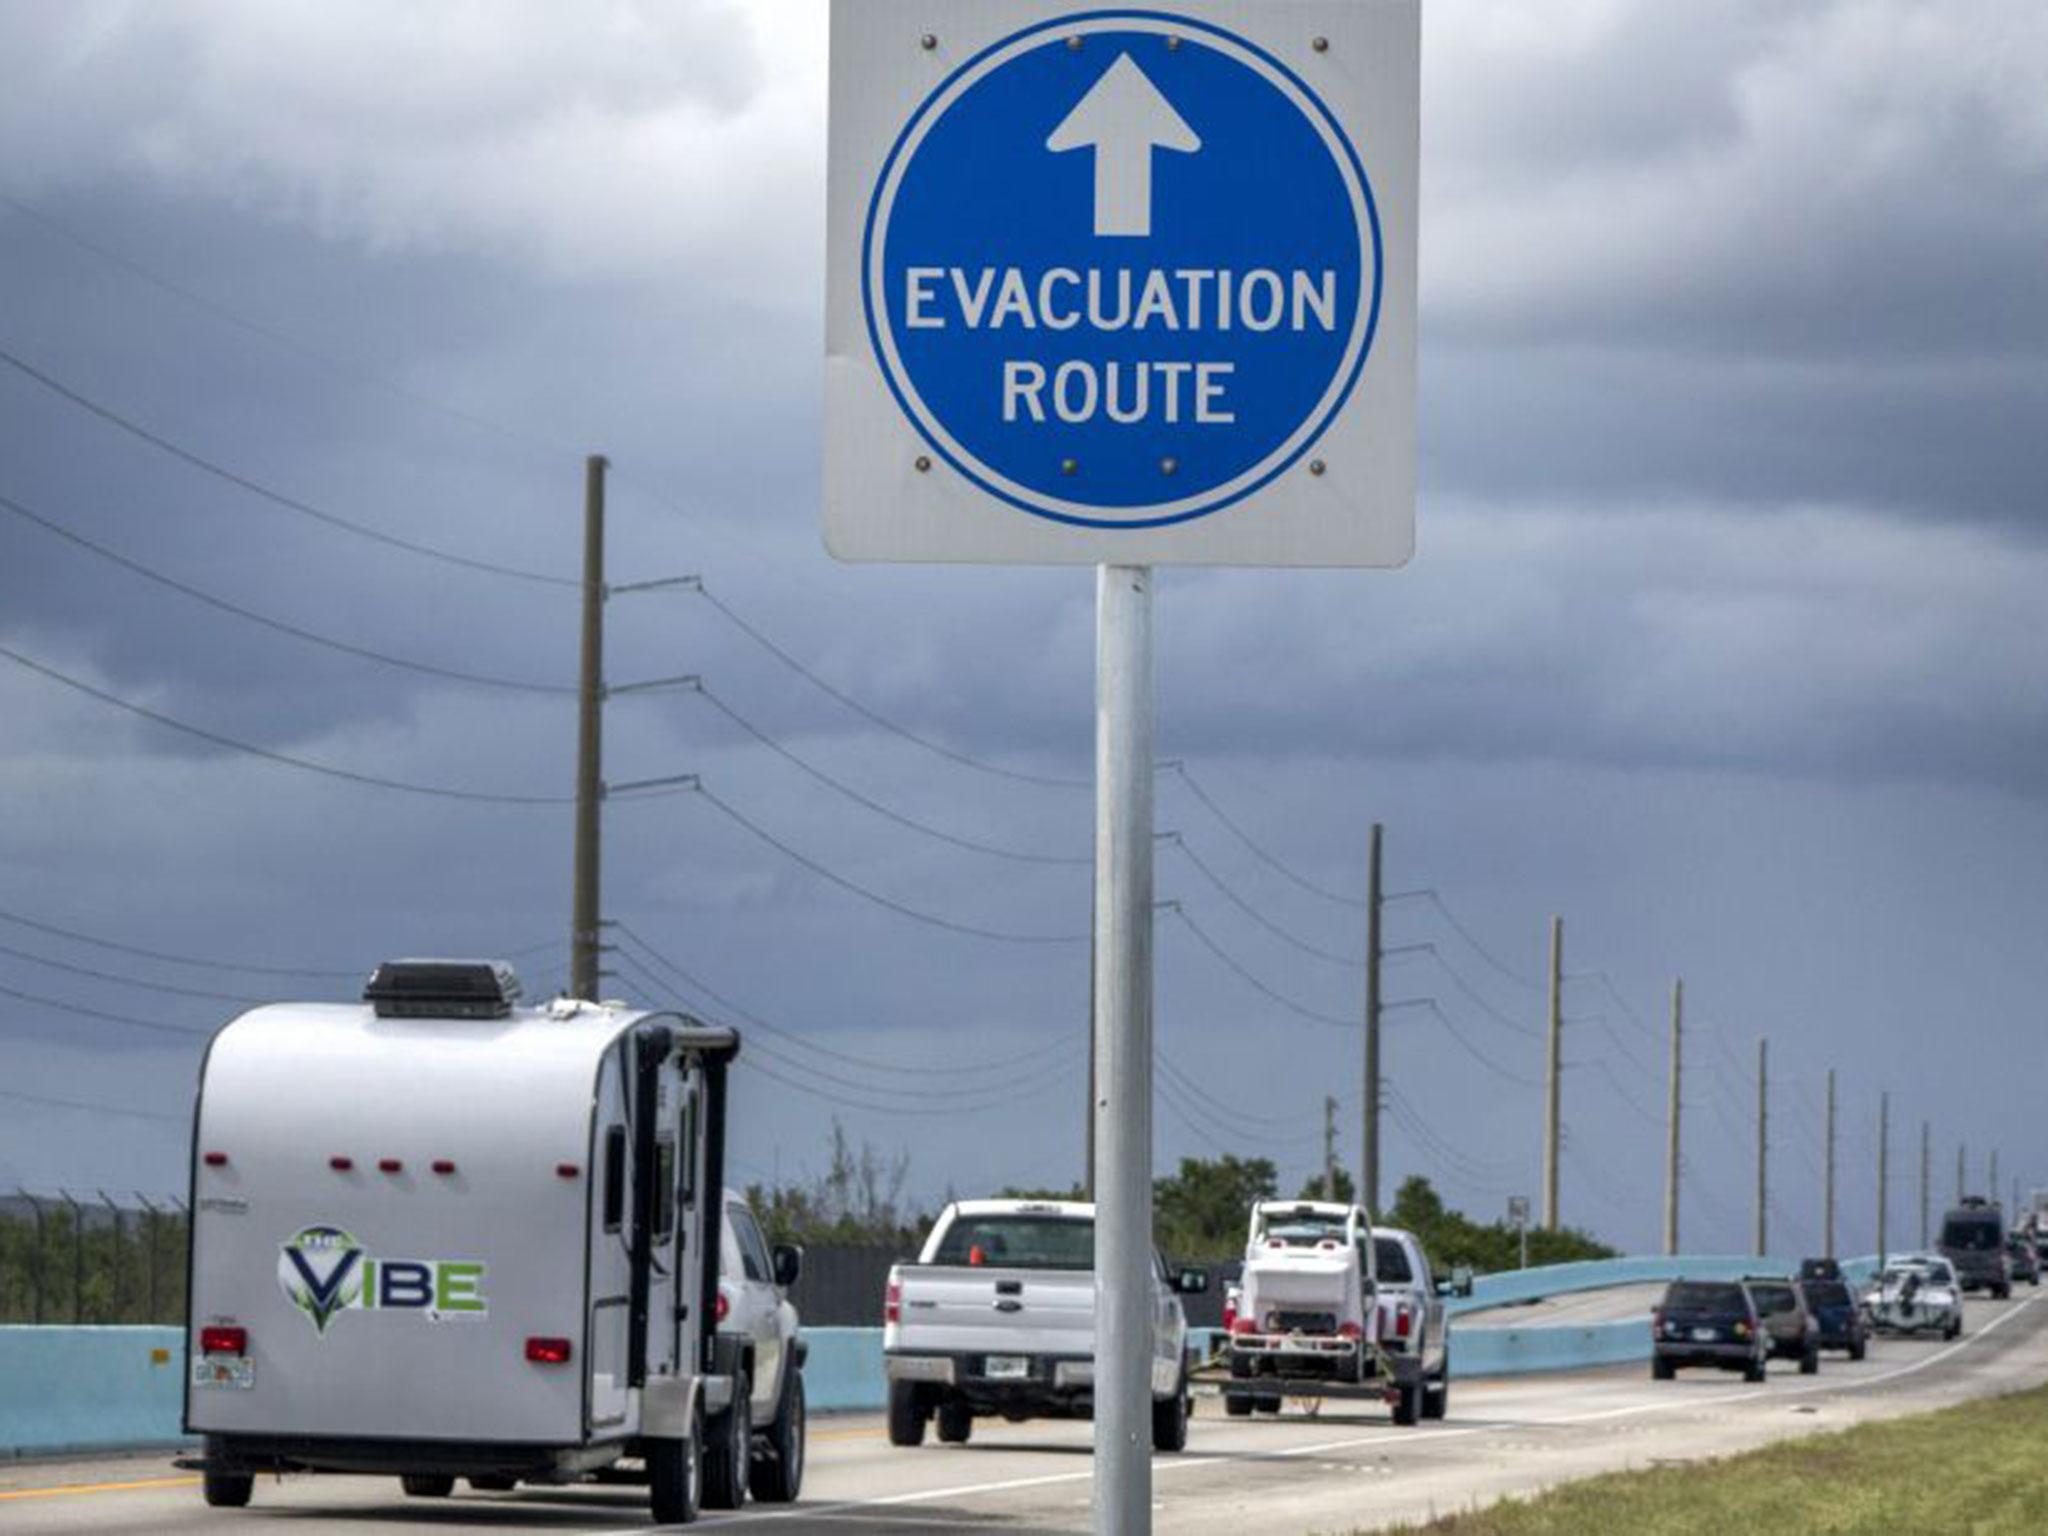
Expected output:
(1436, 900)
(129, 981)
(1224, 1111)
(47, 1101)
(1477, 1000)
(1208, 943)
(972, 845)
(1181, 771)
(73, 934)
(867, 712)
(274, 497)
(312, 637)
(1178, 841)
(697, 983)
(1470, 1049)
(867, 893)
(125, 1019)
(328, 770)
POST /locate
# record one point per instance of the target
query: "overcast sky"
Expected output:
(1723, 639)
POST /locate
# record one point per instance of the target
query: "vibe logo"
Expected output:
(324, 1272)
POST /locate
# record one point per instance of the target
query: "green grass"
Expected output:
(1978, 1468)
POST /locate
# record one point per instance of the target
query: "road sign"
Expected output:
(1125, 286)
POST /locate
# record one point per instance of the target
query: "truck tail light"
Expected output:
(548, 1351)
(223, 1341)
(892, 1302)
(1230, 1317)
(723, 1306)
(1402, 1322)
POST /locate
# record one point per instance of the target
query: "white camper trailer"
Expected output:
(437, 1234)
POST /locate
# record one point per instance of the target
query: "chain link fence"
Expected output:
(71, 1257)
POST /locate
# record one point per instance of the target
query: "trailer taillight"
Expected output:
(444, 1165)
(892, 1302)
(341, 1164)
(548, 1351)
(216, 1159)
(1244, 1325)
(223, 1341)
(566, 1170)
(1350, 1331)
(390, 1165)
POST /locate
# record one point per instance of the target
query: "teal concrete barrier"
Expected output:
(1548, 1347)
(843, 1370)
(88, 1389)
(1518, 1285)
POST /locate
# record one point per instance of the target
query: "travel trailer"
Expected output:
(438, 1234)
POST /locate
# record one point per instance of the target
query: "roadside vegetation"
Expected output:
(1976, 1467)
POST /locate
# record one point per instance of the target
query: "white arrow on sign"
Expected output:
(1124, 118)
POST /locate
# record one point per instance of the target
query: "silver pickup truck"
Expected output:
(997, 1317)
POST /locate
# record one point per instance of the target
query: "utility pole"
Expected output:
(1827, 1201)
(1991, 1177)
(1763, 1144)
(1369, 1156)
(584, 931)
(1926, 1179)
(1962, 1162)
(1554, 1071)
(1329, 1148)
(1672, 1153)
(1884, 1131)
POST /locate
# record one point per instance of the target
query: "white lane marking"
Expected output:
(1404, 1436)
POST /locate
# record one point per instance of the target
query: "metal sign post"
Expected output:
(1122, 288)
(1518, 1213)
(1123, 1049)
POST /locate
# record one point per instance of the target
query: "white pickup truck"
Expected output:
(997, 1317)
(1329, 1305)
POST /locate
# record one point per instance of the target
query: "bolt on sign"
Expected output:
(1122, 286)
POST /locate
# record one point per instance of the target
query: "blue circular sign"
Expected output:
(1121, 269)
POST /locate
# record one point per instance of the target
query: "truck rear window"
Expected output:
(1973, 1234)
(1827, 1293)
(1390, 1260)
(1019, 1242)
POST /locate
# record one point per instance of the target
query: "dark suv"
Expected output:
(1790, 1327)
(1835, 1314)
(1707, 1322)
(1973, 1241)
(2024, 1253)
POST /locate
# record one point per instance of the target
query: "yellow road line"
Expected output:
(66, 1490)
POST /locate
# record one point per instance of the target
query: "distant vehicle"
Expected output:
(1819, 1269)
(756, 1446)
(1328, 1301)
(1836, 1314)
(1793, 1331)
(1707, 1322)
(1917, 1293)
(997, 1317)
(2025, 1256)
(1973, 1241)
(437, 1235)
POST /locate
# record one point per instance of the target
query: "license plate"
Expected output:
(224, 1371)
(1705, 1335)
(1007, 1368)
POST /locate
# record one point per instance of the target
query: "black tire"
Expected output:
(1857, 1350)
(229, 1490)
(727, 1448)
(1954, 1330)
(1436, 1401)
(494, 1482)
(1170, 1419)
(1809, 1363)
(955, 1422)
(674, 1473)
(1238, 1405)
(906, 1415)
(427, 1485)
(1661, 1369)
(1408, 1403)
(779, 1476)
(1754, 1371)
(1267, 1403)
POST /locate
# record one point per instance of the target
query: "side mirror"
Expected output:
(788, 1260)
(1191, 1282)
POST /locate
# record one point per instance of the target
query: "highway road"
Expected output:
(1334, 1472)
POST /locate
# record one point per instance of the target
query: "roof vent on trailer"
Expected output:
(443, 989)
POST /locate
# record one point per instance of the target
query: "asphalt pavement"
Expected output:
(1330, 1472)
